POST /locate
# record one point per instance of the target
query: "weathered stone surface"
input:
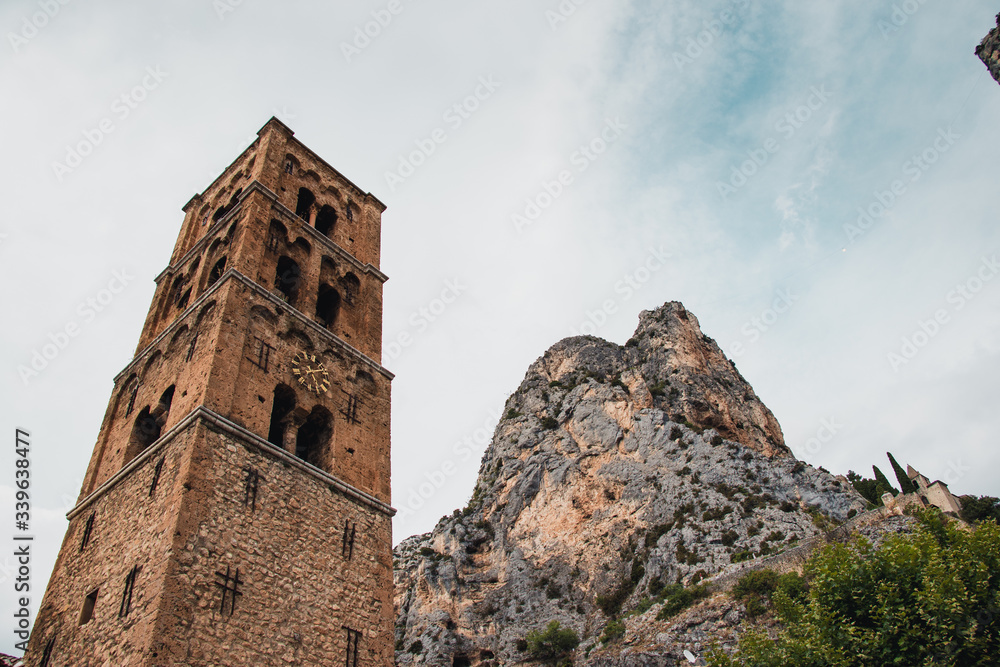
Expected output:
(648, 463)
(989, 51)
(217, 459)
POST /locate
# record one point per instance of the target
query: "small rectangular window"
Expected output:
(89, 603)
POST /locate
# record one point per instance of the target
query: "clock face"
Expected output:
(310, 373)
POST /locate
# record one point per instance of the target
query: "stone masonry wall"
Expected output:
(300, 591)
(300, 588)
(131, 527)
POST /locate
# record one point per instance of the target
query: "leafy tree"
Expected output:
(866, 487)
(882, 484)
(928, 598)
(905, 485)
(983, 508)
(552, 643)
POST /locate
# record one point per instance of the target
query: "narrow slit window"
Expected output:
(230, 586)
(88, 531)
(261, 354)
(47, 653)
(250, 487)
(350, 530)
(131, 399)
(156, 477)
(353, 640)
(126, 604)
(350, 411)
(191, 347)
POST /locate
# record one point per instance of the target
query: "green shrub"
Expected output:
(416, 647)
(716, 513)
(613, 631)
(612, 603)
(551, 644)
(925, 598)
(512, 414)
(729, 537)
(548, 423)
(677, 598)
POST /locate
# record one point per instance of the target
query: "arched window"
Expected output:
(327, 305)
(326, 221)
(287, 277)
(351, 286)
(276, 236)
(305, 203)
(145, 431)
(182, 301)
(216, 272)
(313, 435)
(284, 403)
(148, 425)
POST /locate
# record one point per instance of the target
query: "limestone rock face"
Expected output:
(989, 51)
(614, 471)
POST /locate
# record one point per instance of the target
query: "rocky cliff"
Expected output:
(615, 471)
(989, 51)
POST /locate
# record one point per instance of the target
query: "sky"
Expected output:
(816, 182)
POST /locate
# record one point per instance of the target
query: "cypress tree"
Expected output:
(905, 485)
(882, 484)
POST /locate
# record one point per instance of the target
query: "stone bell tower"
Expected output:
(236, 506)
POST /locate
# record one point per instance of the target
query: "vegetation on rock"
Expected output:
(551, 644)
(931, 597)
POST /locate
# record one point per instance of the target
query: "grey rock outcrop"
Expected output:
(989, 51)
(615, 470)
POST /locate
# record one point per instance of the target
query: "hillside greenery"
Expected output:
(931, 597)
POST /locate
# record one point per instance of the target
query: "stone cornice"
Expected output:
(219, 423)
(257, 186)
(329, 337)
